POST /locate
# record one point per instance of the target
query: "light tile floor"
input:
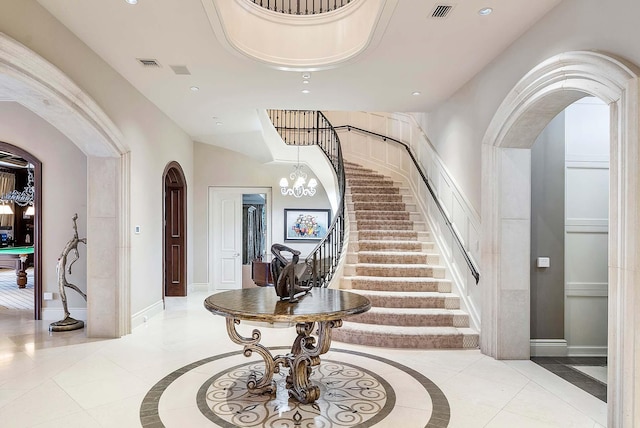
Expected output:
(66, 380)
(597, 372)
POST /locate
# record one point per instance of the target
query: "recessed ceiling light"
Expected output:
(219, 123)
(305, 82)
(305, 91)
(485, 11)
(306, 75)
(416, 93)
(194, 88)
(132, 1)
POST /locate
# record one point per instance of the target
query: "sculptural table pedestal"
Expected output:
(316, 313)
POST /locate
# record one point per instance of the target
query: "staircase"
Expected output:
(391, 261)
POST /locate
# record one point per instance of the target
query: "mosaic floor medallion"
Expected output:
(213, 392)
(349, 396)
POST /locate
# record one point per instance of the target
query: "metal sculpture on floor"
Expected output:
(287, 274)
(68, 323)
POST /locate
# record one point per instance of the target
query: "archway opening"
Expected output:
(28, 79)
(539, 96)
(23, 229)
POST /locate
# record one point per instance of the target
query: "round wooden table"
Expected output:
(322, 307)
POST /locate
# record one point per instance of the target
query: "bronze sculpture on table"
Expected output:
(68, 323)
(287, 274)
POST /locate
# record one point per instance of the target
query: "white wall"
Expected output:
(547, 239)
(215, 166)
(586, 227)
(64, 193)
(153, 139)
(393, 160)
(456, 127)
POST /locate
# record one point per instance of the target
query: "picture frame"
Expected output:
(306, 225)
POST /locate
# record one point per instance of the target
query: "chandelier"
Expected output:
(299, 186)
(24, 198)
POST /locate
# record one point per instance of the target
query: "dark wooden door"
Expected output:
(175, 281)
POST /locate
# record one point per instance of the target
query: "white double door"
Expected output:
(225, 235)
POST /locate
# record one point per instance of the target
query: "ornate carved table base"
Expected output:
(314, 315)
(305, 354)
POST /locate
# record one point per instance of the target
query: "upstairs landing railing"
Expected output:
(301, 7)
(307, 128)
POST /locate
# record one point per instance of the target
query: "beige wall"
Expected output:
(215, 166)
(153, 139)
(64, 187)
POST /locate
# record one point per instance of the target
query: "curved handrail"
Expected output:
(301, 7)
(465, 253)
(305, 128)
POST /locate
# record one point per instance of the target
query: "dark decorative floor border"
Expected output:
(150, 416)
(561, 366)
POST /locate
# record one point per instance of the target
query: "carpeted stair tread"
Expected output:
(413, 317)
(363, 182)
(360, 190)
(376, 197)
(400, 270)
(386, 206)
(410, 299)
(380, 283)
(394, 330)
(392, 246)
(385, 235)
(378, 215)
(398, 257)
(365, 224)
(403, 294)
(396, 253)
(406, 337)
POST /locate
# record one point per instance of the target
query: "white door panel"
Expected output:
(225, 235)
(226, 215)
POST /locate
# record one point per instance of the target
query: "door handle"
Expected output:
(236, 255)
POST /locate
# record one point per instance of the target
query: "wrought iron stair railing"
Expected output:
(301, 7)
(306, 128)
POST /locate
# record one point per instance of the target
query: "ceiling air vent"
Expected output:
(180, 69)
(441, 11)
(149, 62)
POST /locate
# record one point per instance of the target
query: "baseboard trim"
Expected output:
(139, 318)
(548, 348)
(57, 314)
(587, 351)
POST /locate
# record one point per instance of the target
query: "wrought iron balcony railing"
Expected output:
(301, 7)
(305, 128)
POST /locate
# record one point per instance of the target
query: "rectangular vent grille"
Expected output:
(180, 69)
(149, 62)
(441, 11)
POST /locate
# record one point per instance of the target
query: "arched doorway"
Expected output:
(174, 232)
(37, 222)
(506, 156)
(27, 78)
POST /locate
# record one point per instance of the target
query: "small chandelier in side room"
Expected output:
(299, 186)
(24, 198)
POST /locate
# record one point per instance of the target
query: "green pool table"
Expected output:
(18, 258)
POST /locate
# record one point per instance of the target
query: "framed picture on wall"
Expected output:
(306, 224)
